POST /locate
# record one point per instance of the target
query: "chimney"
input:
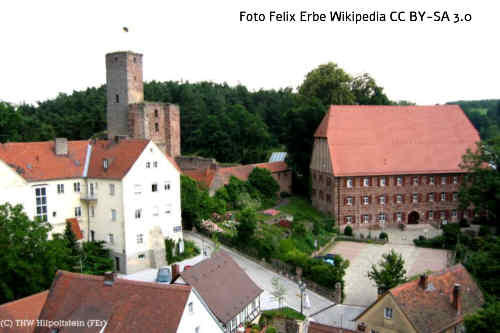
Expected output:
(119, 138)
(109, 278)
(457, 298)
(61, 146)
(424, 281)
(338, 293)
(175, 272)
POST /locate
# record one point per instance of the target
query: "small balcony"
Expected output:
(88, 196)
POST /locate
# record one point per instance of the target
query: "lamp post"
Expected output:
(302, 288)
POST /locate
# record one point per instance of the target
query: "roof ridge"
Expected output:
(23, 299)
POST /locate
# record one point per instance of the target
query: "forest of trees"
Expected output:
(231, 124)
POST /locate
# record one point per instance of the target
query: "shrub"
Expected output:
(348, 231)
(285, 195)
(271, 330)
(402, 226)
(484, 230)
(463, 223)
(383, 235)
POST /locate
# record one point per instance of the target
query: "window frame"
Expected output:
(388, 313)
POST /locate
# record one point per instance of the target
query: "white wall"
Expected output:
(62, 204)
(102, 223)
(151, 202)
(14, 189)
(200, 316)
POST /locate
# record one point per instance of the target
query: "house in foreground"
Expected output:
(225, 287)
(123, 192)
(89, 303)
(434, 303)
(376, 165)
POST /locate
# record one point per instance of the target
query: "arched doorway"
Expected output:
(413, 218)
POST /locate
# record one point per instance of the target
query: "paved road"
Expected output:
(263, 277)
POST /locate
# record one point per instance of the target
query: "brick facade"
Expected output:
(128, 114)
(362, 200)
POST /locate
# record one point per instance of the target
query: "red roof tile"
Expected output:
(75, 227)
(223, 175)
(376, 140)
(121, 157)
(128, 306)
(27, 308)
(432, 309)
(38, 161)
(202, 176)
(214, 277)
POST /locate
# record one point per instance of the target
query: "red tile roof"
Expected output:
(223, 285)
(128, 306)
(121, 157)
(27, 308)
(379, 140)
(38, 161)
(432, 309)
(75, 227)
(223, 175)
(202, 176)
(320, 328)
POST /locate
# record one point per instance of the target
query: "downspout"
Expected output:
(85, 177)
(338, 201)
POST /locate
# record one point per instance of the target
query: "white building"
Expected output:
(126, 193)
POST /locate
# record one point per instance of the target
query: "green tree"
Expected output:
(96, 258)
(391, 272)
(367, 92)
(301, 122)
(484, 320)
(481, 187)
(330, 84)
(72, 243)
(263, 181)
(28, 260)
(247, 219)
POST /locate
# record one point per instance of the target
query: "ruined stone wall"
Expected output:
(195, 162)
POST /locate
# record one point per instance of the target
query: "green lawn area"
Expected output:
(301, 208)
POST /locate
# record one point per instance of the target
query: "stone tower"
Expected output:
(127, 113)
(123, 87)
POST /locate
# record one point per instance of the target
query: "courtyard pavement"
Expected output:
(359, 289)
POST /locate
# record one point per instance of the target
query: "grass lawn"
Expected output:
(301, 208)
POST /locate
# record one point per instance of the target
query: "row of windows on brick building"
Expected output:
(400, 217)
(397, 198)
(382, 181)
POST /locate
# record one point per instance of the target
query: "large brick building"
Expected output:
(128, 115)
(390, 164)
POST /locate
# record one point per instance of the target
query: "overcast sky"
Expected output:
(49, 47)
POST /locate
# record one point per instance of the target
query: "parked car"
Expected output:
(164, 275)
(329, 259)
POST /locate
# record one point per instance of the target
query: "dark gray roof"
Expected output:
(223, 284)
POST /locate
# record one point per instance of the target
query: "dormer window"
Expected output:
(105, 164)
(388, 313)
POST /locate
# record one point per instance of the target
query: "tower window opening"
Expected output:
(117, 97)
(156, 113)
(157, 127)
